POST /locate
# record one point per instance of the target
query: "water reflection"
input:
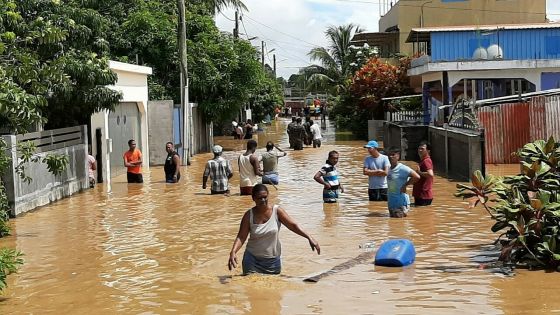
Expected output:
(163, 248)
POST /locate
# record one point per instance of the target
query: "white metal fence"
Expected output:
(46, 187)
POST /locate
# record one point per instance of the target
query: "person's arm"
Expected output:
(319, 179)
(294, 227)
(205, 176)
(239, 241)
(413, 178)
(256, 165)
(280, 150)
(138, 162)
(177, 163)
(126, 164)
(380, 173)
(229, 170)
(427, 174)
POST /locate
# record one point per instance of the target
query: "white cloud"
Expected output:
(292, 27)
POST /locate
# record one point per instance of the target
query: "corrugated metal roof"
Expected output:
(423, 34)
(486, 27)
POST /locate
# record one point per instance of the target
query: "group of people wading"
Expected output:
(308, 133)
(388, 180)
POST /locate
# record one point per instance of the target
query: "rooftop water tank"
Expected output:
(480, 53)
(495, 52)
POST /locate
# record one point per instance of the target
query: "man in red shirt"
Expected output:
(422, 190)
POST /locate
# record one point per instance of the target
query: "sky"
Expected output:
(291, 28)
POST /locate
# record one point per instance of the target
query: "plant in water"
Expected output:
(526, 207)
(10, 260)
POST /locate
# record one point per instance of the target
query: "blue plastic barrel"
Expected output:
(395, 253)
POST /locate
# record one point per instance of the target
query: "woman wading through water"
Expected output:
(262, 224)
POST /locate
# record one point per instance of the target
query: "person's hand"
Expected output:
(204, 186)
(314, 245)
(403, 189)
(418, 169)
(232, 262)
(327, 186)
(174, 178)
(341, 189)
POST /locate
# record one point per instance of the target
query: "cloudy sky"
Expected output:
(292, 27)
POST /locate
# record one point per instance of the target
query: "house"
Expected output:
(398, 18)
(486, 61)
(110, 131)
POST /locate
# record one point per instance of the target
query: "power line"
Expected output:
(222, 13)
(243, 24)
(281, 32)
(262, 35)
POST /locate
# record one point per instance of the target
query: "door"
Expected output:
(124, 124)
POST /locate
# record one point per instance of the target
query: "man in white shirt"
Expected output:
(316, 131)
(376, 167)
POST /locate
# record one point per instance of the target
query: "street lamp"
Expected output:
(422, 12)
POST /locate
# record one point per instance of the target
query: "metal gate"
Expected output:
(124, 124)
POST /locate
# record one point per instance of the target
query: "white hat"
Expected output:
(234, 123)
(217, 149)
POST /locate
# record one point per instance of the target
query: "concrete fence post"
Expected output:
(446, 152)
(10, 177)
(84, 134)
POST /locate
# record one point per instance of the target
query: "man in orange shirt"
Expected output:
(133, 163)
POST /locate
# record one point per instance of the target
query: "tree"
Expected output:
(335, 60)
(49, 69)
(362, 100)
(56, 52)
(377, 80)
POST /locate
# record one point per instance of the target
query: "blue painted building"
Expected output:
(480, 62)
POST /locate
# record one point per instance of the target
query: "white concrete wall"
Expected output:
(101, 120)
(132, 82)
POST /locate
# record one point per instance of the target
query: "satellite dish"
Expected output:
(495, 52)
(480, 53)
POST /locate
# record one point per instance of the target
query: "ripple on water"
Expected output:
(160, 248)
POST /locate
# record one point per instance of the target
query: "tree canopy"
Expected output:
(54, 56)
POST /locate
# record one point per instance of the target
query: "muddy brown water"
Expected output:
(158, 248)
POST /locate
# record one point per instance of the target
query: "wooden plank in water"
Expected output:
(360, 259)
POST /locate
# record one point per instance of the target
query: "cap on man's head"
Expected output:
(217, 149)
(372, 144)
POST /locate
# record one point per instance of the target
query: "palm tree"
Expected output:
(216, 6)
(334, 68)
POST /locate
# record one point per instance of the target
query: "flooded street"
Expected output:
(160, 248)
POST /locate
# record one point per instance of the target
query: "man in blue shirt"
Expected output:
(398, 178)
(376, 166)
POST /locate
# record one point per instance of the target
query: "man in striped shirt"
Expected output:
(219, 169)
(328, 177)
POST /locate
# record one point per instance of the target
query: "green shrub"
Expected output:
(526, 207)
(10, 260)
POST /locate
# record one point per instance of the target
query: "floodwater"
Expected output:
(161, 248)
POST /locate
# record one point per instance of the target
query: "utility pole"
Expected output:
(182, 39)
(262, 53)
(236, 29)
(274, 62)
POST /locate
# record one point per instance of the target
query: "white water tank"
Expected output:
(495, 52)
(480, 53)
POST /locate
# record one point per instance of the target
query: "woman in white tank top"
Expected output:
(262, 225)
